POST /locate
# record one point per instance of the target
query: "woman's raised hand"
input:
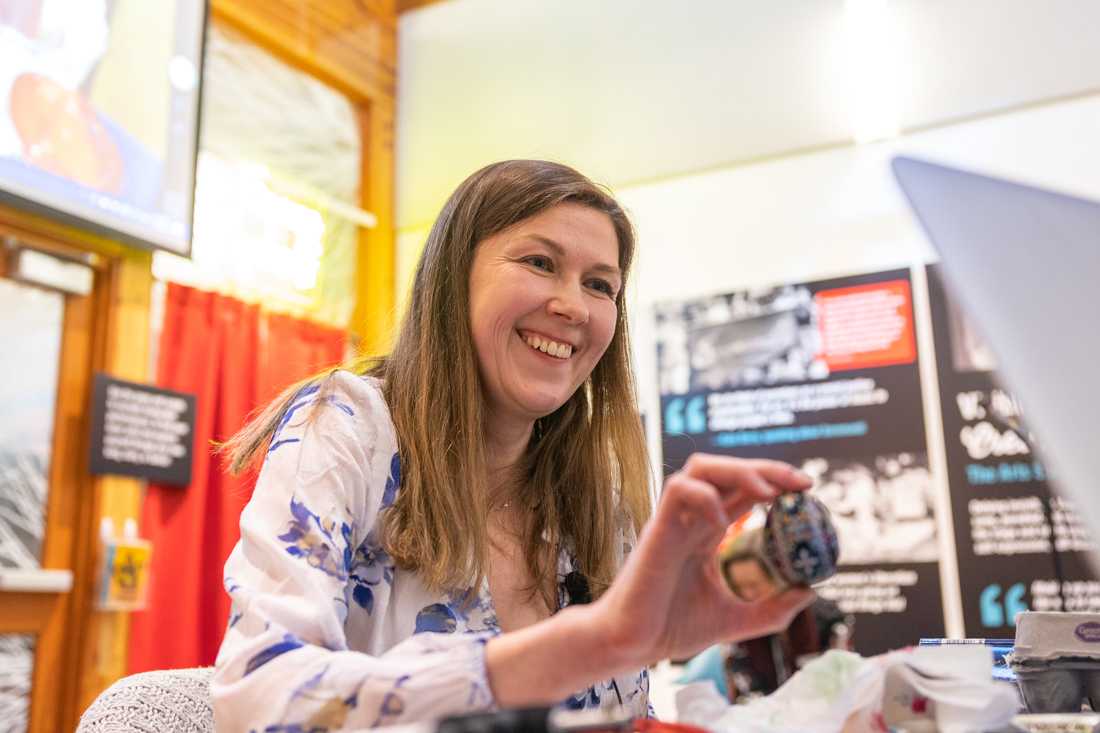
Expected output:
(669, 600)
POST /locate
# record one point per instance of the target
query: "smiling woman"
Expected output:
(437, 531)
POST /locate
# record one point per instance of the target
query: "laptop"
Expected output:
(1025, 265)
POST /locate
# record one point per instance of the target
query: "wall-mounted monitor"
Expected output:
(99, 113)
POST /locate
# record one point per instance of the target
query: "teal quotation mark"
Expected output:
(686, 416)
(994, 613)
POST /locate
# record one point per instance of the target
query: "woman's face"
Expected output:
(542, 308)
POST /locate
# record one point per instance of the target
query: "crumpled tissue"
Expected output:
(917, 689)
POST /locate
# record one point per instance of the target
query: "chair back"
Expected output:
(164, 701)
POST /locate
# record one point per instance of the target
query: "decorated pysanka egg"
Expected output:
(800, 541)
(797, 546)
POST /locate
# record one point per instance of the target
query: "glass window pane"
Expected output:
(16, 666)
(30, 330)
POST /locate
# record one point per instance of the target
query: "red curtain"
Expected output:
(235, 358)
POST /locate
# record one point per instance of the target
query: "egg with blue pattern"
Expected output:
(800, 541)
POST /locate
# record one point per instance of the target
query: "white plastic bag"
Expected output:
(931, 688)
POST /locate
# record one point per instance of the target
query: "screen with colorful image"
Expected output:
(99, 108)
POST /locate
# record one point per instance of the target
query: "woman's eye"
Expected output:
(602, 286)
(539, 261)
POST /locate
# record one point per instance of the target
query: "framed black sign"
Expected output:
(141, 431)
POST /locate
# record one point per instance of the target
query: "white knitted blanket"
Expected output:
(165, 701)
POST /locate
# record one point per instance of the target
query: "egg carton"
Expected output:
(1058, 689)
(1050, 635)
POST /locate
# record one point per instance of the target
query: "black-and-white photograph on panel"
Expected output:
(883, 506)
(743, 339)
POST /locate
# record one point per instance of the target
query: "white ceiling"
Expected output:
(633, 90)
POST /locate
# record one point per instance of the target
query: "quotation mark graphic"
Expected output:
(994, 613)
(686, 416)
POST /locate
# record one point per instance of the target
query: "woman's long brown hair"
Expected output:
(586, 462)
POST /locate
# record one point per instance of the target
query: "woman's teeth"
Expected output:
(553, 348)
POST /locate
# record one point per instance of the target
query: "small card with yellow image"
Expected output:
(124, 574)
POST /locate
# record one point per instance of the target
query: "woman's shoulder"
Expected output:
(357, 389)
(338, 425)
(360, 397)
(340, 405)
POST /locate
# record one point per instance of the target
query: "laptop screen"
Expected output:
(1025, 265)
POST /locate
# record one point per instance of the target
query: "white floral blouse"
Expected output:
(325, 632)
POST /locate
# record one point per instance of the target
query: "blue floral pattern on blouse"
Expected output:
(393, 482)
(371, 565)
(331, 714)
(588, 698)
(313, 539)
(289, 643)
(304, 398)
(393, 704)
(437, 618)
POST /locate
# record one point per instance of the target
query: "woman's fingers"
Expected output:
(741, 483)
(758, 478)
(683, 532)
(693, 500)
(745, 482)
(690, 517)
(782, 475)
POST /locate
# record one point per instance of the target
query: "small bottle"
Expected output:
(840, 637)
(106, 529)
(797, 546)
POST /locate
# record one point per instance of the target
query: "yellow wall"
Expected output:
(131, 82)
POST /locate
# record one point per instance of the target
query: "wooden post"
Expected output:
(375, 304)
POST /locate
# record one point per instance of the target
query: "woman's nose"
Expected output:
(568, 303)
